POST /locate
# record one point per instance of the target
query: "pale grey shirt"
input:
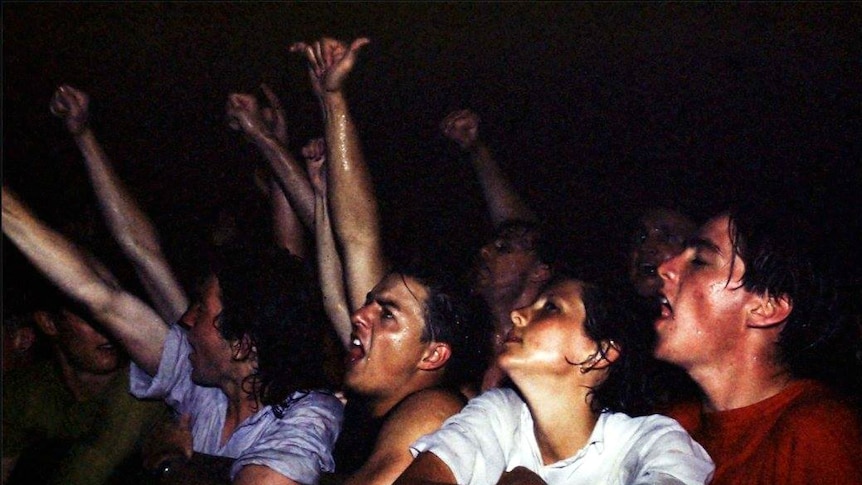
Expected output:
(298, 445)
(494, 433)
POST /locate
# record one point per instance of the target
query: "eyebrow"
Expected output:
(372, 297)
(702, 244)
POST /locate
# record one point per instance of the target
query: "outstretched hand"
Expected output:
(273, 114)
(462, 127)
(243, 113)
(329, 62)
(314, 153)
(73, 106)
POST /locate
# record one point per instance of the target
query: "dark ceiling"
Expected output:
(596, 111)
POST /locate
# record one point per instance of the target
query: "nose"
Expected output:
(671, 268)
(360, 317)
(188, 318)
(519, 319)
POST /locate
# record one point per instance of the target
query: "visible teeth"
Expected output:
(356, 342)
(664, 301)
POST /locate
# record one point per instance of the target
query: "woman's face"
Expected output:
(548, 336)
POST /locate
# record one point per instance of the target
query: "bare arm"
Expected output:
(427, 469)
(355, 218)
(420, 414)
(132, 229)
(328, 261)
(503, 201)
(135, 325)
(245, 114)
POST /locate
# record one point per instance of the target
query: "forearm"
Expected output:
(353, 206)
(288, 231)
(290, 176)
(133, 230)
(503, 201)
(330, 272)
(85, 280)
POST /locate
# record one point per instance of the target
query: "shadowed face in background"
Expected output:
(661, 234)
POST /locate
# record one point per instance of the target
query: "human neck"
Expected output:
(737, 387)
(241, 405)
(562, 421)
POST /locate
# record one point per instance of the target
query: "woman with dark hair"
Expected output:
(567, 421)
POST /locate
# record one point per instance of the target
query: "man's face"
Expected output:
(86, 346)
(211, 352)
(705, 312)
(661, 235)
(386, 342)
(505, 264)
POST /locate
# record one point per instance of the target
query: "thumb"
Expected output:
(359, 43)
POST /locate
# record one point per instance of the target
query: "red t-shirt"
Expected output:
(802, 435)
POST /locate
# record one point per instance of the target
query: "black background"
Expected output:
(596, 111)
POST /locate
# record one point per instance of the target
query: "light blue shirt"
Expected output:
(297, 445)
(494, 433)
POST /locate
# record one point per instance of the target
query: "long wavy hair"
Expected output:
(270, 297)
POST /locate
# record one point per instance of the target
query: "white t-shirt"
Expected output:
(494, 433)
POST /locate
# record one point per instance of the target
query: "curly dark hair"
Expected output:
(610, 316)
(270, 297)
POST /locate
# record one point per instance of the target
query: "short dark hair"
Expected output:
(449, 320)
(772, 243)
(270, 296)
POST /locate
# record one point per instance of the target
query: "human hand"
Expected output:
(520, 476)
(243, 113)
(169, 441)
(329, 62)
(273, 115)
(462, 127)
(314, 153)
(73, 106)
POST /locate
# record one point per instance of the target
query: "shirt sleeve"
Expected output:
(668, 455)
(172, 381)
(299, 445)
(475, 442)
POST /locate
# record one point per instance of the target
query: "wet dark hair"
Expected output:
(269, 296)
(774, 245)
(448, 319)
(610, 317)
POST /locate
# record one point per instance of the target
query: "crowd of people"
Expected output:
(322, 359)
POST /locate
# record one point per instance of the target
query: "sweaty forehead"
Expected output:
(402, 291)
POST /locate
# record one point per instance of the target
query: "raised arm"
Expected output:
(245, 114)
(503, 201)
(353, 206)
(131, 228)
(135, 325)
(329, 267)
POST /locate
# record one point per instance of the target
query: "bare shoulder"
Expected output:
(433, 405)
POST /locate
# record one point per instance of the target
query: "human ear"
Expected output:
(23, 339)
(770, 311)
(46, 324)
(605, 355)
(435, 356)
(243, 348)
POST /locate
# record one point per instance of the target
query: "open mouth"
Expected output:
(356, 352)
(666, 308)
(511, 338)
